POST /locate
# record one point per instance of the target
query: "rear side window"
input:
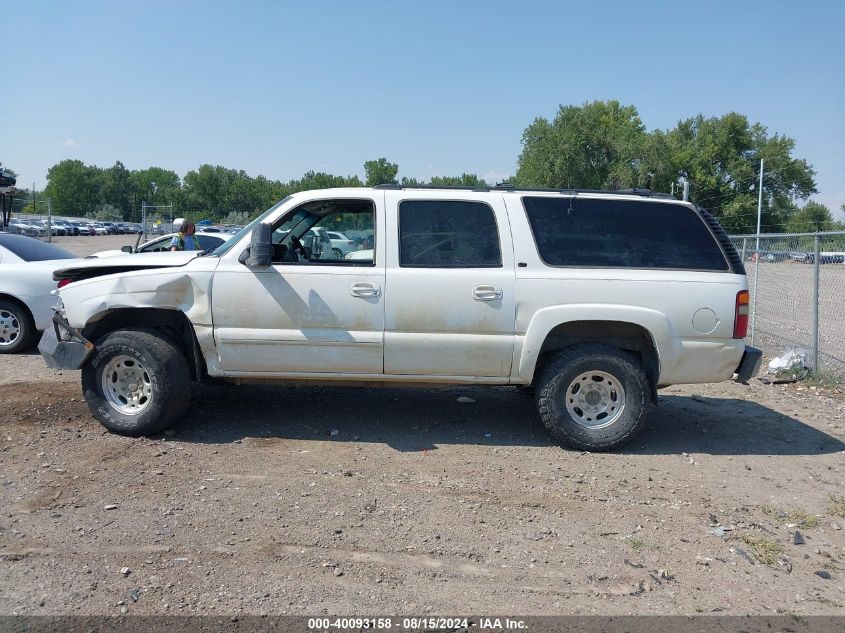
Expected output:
(621, 234)
(448, 234)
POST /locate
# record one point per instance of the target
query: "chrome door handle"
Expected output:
(364, 289)
(487, 293)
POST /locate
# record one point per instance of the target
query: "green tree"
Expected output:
(464, 180)
(73, 187)
(155, 186)
(321, 180)
(598, 145)
(720, 156)
(105, 212)
(236, 217)
(380, 172)
(813, 217)
(116, 189)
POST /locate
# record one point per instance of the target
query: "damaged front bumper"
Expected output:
(749, 365)
(62, 347)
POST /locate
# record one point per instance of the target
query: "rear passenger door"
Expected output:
(450, 298)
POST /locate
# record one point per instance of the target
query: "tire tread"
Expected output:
(547, 387)
(175, 376)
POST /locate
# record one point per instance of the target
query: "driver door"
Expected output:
(305, 316)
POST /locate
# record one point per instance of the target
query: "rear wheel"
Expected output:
(338, 254)
(137, 383)
(593, 397)
(17, 329)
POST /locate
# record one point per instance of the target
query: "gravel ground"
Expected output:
(83, 245)
(339, 500)
(309, 500)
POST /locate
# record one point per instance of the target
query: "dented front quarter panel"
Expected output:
(186, 288)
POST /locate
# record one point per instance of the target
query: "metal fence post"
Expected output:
(816, 258)
(744, 246)
(754, 289)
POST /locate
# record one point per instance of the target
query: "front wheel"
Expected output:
(137, 383)
(593, 397)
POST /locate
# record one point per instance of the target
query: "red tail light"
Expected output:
(63, 282)
(741, 315)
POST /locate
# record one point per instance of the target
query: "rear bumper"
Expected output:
(749, 365)
(62, 347)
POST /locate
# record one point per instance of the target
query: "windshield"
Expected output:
(30, 249)
(225, 247)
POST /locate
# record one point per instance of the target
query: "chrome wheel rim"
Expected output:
(126, 385)
(10, 328)
(595, 399)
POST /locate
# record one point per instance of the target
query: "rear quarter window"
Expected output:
(595, 232)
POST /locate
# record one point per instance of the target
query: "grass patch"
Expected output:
(802, 519)
(837, 507)
(637, 543)
(764, 549)
(823, 379)
(769, 511)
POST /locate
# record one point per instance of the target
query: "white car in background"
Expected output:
(207, 241)
(366, 254)
(26, 284)
(341, 245)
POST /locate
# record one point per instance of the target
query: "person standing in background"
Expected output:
(185, 240)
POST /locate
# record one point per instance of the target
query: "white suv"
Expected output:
(596, 299)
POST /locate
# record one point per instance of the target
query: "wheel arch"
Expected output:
(644, 332)
(172, 324)
(5, 296)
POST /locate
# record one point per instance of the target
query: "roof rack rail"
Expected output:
(646, 193)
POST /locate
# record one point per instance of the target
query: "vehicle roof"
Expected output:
(629, 194)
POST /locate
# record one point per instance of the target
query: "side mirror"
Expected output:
(126, 249)
(260, 248)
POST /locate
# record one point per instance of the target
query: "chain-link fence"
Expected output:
(797, 283)
(156, 220)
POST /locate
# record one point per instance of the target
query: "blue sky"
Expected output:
(279, 88)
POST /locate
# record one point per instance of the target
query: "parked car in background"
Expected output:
(21, 228)
(160, 244)
(69, 228)
(366, 254)
(341, 245)
(825, 257)
(84, 228)
(26, 283)
(53, 228)
(40, 229)
(100, 229)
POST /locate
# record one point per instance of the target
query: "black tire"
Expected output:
(559, 374)
(338, 254)
(17, 329)
(161, 364)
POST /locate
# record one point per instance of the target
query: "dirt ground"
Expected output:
(310, 500)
